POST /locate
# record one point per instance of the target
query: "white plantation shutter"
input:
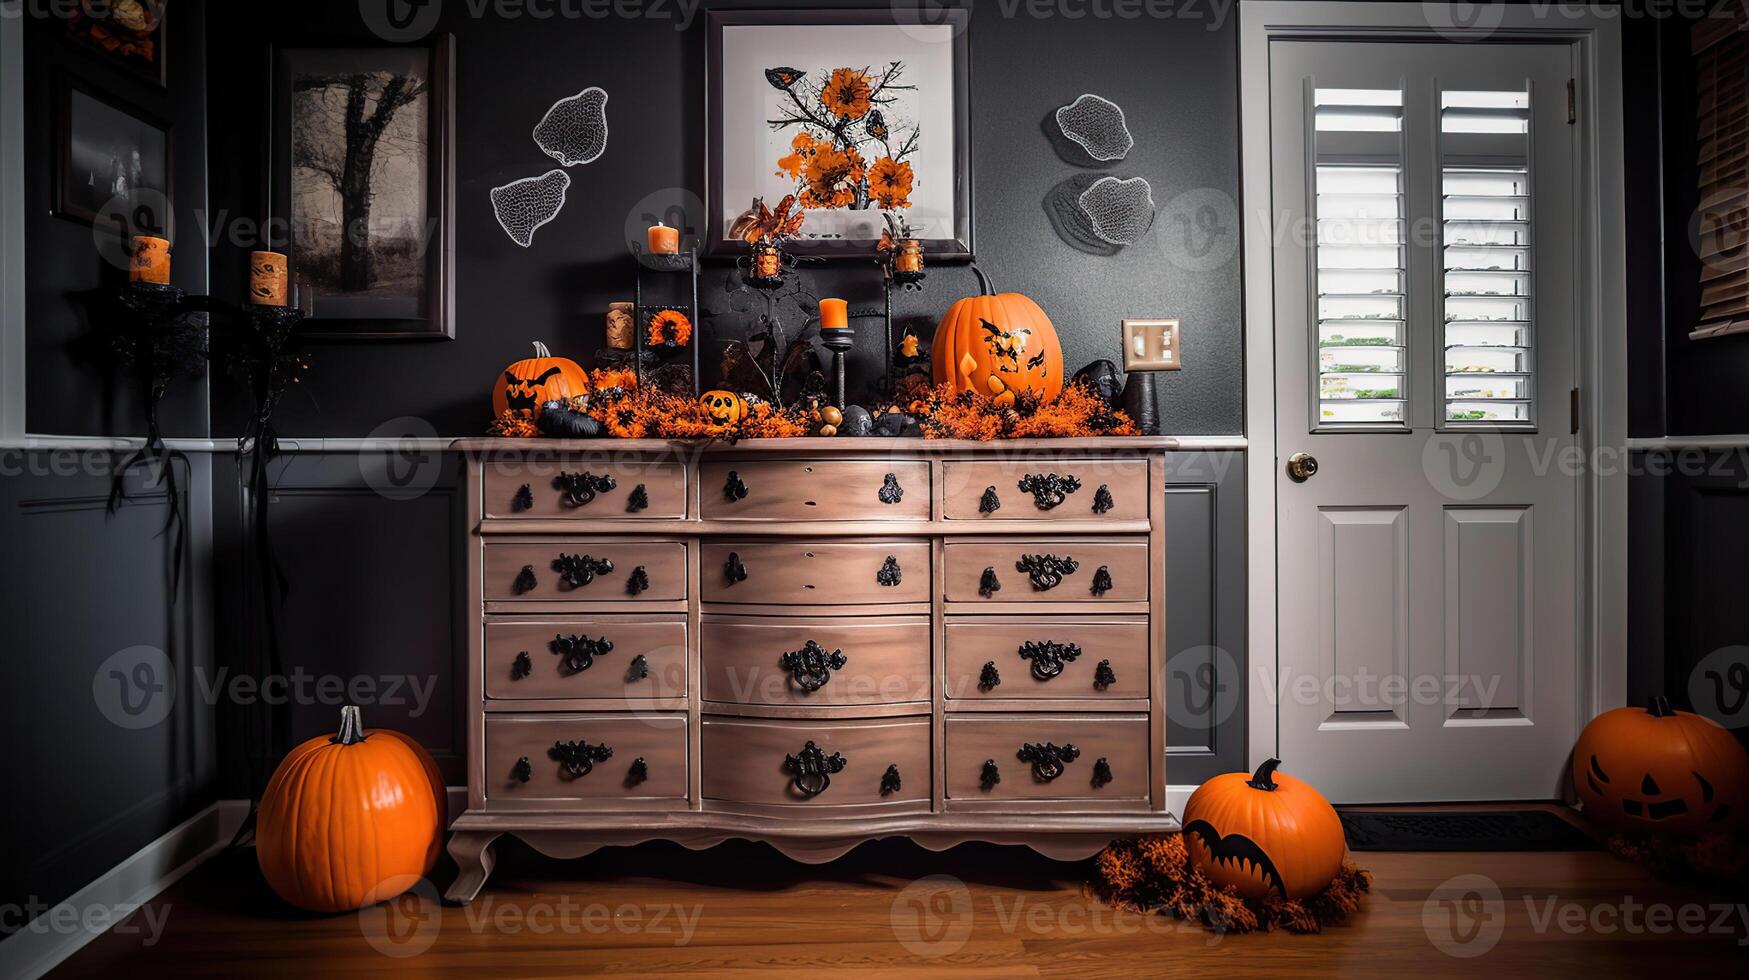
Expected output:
(1721, 63)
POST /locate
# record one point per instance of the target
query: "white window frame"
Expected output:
(12, 375)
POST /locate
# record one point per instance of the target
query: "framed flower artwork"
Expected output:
(857, 114)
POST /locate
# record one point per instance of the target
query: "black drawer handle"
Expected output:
(1048, 657)
(580, 489)
(1047, 758)
(525, 581)
(577, 652)
(733, 570)
(1048, 489)
(578, 759)
(521, 667)
(639, 582)
(1101, 581)
(891, 492)
(524, 499)
(1102, 502)
(640, 771)
(989, 585)
(812, 666)
(1046, 571)
(638, 499)
(733, 488)
(1103, 675)
(890, 780)
(812, 769)
(577, 571)
(989, 503)
(522, 771)
(989, 678)
(1101, 773)
(639, 669)
(889, 576)
(990, 775)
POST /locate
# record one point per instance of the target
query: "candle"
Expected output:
(910, 257)
(834, 314)
(149, 260)
(767, 261)
(664, 240)
(621, 326)
(267, 279)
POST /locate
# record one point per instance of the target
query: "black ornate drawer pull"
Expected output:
(639, 581)
(1103, 676)
(524, 499)
(1048, 758)
(638, 499)
(891, 492)
(639, 669)
(1102, 502)
(639, 771)
(1046, 571)
(1101, 581)
(889, 575)
(577, 652)
(733, 570)
(522, 771)
(1048, 489)
(525, 581)
(811, 666)
(733, 488)
(988, 585)
(579, 489)
(1048, 657)
(890, 780)
(577, 571)
(989, 503)
(990, 775)
(578, 759)
(989, 678)
(521, 667)
(812, 769)
(1101, 773)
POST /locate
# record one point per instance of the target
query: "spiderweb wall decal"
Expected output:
(1097, 124)
(1119, 210)
(523, 206)
(574, 130)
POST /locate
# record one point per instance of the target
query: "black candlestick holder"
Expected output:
(838, 340)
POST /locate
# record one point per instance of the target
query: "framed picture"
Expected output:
(128, 34)
(363, 174)
(112, 163)
(855, 113)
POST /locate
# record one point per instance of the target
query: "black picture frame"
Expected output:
(436, 320)
(83, 208)
(78, 33)
(958, 248)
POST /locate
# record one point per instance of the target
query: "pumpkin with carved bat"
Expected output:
(532, 382)
(1263, 833)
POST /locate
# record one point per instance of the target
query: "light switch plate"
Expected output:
(1151, 345)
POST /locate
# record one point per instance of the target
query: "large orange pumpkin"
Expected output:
(527, 384)
(1265, 832)
(350, 820)
(998, 344)
(1656, 769)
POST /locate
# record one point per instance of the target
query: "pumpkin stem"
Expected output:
(351, 727)
(540, 350)
(1659, 706)
(1265, 777)
(983, 282)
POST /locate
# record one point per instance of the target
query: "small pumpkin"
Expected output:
(1263, 833)
(350, 820)
(531, 382)
(997, 345)
(723, 407)
(1656, 769)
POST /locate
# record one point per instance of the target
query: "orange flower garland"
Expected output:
(1077, 412)
(1155, 874)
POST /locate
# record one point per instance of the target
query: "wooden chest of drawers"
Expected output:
(814, 642)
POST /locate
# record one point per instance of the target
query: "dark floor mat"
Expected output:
(1501, 830)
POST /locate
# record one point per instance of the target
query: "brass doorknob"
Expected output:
(1301, 467)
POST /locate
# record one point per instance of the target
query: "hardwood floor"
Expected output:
(893, 908)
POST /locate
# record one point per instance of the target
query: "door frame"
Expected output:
(1601, 661)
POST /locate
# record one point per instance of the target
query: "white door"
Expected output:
(1425, 358)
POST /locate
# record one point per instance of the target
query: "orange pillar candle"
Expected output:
(834, 314)
(149, 260)
(664, 240)
(767, 261)
(910, 257)
(267, 279)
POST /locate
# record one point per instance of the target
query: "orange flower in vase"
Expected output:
(889, 183)
(847, 93)
(670, 328)
(796, 163)
(834, 175)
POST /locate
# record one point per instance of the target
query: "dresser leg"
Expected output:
(472, 851)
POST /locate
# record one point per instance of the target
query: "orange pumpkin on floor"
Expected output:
(997, 345)
(1659, 770)
(531, 382)
(350, 820)
(1263, 833)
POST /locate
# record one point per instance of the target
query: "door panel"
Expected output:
(1488, 608)
(1364, 560)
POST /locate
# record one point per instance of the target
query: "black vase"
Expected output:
(1139, 402)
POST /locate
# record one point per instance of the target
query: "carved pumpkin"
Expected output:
(350, 820)
(1263, 833)
(1661, 770)
(997, 345)
(723, 407)
(528, 384)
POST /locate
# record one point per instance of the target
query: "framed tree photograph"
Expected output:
(112, 163)
(363, 178)
(856, 114)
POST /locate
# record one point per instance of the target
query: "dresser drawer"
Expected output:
(755, 760)
(792, 572)
(586, 569)
(749, 660)
(1059, 570)
(569, 759)
(618, 657)
(1046, 657)
(1024, 748)
(585, 488)
(1042, 490)
(814, 490)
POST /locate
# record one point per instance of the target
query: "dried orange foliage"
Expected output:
(629, 412)
(511, 425)
(1719, 859)
(1078, 412)
(1154, 874)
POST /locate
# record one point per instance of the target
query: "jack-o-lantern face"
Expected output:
(528, 384)
(1656, 769)
(723, 407)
